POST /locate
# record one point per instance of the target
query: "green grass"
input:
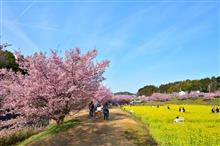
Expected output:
(51, 130)
(201, 127)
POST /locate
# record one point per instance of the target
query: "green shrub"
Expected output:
(13, 136)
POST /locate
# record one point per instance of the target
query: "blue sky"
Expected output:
(147, 42)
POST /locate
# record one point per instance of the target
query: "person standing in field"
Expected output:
(91, 109)
(213, 109)
(217, 110)
(182, 109)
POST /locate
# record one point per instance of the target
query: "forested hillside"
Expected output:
(204, 85)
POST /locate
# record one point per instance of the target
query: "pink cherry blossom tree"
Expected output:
(52, 87)
(121, 99)
(160, 97)
(217, 93)
(103, 95)
(209, 95)
(143, 98)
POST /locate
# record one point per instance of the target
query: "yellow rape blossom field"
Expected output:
(201, 127)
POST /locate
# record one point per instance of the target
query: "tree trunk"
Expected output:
(59, 120)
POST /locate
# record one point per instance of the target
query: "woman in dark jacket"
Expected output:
(91, 109)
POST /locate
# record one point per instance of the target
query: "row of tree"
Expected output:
(204, 85)
(53, 86)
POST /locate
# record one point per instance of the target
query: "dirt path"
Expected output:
(120, 130)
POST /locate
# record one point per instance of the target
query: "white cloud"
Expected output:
(18, 37)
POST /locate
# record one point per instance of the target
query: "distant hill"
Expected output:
(124, 93)
(209, 84)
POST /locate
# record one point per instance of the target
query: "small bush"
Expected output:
(10, 137)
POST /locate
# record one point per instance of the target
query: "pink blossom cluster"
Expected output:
(155, 97)
(196, 94)
(143, 98)
(121, 99)
(52, 87)
(160, 97)
(166, 97)
(180, 96)
(103, 95)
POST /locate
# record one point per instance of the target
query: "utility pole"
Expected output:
(209, 88)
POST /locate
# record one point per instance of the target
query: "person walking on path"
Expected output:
(106, 111)
(98, 112)
(91, 109)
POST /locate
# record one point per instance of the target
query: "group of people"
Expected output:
(97, 110)
(215, 109)
(182, 110)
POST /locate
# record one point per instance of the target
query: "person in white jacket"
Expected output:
(98, 111)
